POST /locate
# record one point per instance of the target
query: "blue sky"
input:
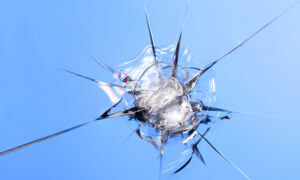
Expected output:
(37, 38)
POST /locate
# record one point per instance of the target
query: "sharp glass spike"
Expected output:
(151, 36)
(175, 57)
(224, 157)
(52, 135)
(253, 35)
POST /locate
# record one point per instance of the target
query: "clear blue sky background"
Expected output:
(37, 38)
